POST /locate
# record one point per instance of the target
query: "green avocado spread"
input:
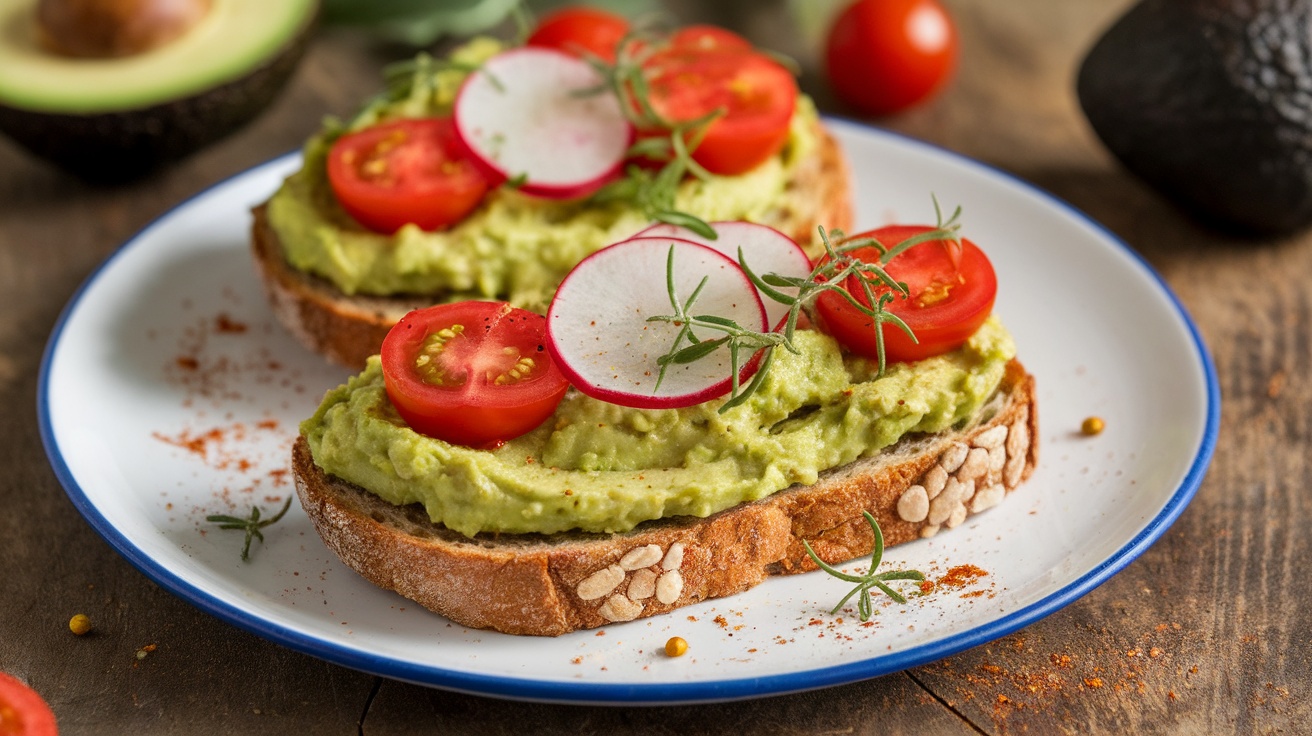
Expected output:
(600, 467)
(513, 247)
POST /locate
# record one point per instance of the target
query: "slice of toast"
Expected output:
(348, 329)
(553, 584)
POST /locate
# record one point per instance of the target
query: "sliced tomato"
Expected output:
(471, 373)
(708, 38)
(22, 711)
(405, 171)
(581, 30)
(754, 93)
(951, 294)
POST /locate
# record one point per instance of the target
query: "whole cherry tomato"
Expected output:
(883, 56)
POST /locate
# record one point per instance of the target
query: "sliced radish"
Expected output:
(764, 249)
(527, 113)
(598, 332)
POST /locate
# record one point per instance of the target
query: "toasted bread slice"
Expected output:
(553, 584)
(348, 329)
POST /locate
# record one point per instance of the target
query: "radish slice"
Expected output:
(598, 332)
(765, 250)
(526, 113)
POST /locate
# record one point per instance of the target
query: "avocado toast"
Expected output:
(339, 286)
(600, 512)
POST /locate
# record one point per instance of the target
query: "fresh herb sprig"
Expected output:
(251, 525)
(864, 583)
(655, 193)
(839, 271)
(402, 79)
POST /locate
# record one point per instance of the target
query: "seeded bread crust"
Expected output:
(348, 329)
(553, 584)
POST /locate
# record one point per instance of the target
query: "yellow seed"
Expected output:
(79, 624)
(1092, 426)
(676, 646)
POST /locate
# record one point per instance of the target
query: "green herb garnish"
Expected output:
(870, 580)
(652, 192)
(839, 271)
(251, 525)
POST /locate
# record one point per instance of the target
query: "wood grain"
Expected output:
(1207, 632)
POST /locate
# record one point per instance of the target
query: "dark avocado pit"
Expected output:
(1210, 102)
(115, 118)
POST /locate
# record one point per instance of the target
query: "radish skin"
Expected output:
(527, 114)
(764, 249)
(599, 334)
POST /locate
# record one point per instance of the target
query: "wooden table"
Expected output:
(1207, 632)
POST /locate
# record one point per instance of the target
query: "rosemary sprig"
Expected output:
(839, 271)
(736, 337)
(251, 525)
(653, 192)
(864, 583)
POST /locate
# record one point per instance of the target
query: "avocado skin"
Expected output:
(1210, 102)
(119, 146)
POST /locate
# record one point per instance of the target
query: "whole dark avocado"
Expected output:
(1210, 102)
(111, 107)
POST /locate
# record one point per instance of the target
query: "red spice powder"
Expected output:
(962, 575)
(224, 323)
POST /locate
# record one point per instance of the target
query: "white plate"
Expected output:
(157, 409)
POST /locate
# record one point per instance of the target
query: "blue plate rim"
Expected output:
(648, 693)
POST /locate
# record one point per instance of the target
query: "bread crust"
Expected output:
(553, 584)
(347, 329)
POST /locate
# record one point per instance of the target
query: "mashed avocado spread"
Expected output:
(599, 467)
(512, 247)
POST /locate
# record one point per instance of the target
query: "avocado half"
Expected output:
(1210, 102)
(117, 118)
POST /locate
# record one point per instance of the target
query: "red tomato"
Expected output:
(757, 95)
(952, 293)
(404, 171)
(886, 55)
(576, 30)
(708, 38)
(471, 373)
(22, 711)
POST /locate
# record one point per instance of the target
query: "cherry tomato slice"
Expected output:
(471, 373)
(708, 38)
(22, 711)
(756, 94)
(885, 55)
(580, 31)
(404, 171)
(952, 293)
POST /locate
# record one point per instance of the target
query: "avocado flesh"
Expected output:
(1210, 102)
(111, 119)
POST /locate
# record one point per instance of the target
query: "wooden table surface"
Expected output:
(1208, 632)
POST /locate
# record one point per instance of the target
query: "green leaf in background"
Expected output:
(421, 22)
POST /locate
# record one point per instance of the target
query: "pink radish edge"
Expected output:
(639, 400)
(786, 258)
(514, 70)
